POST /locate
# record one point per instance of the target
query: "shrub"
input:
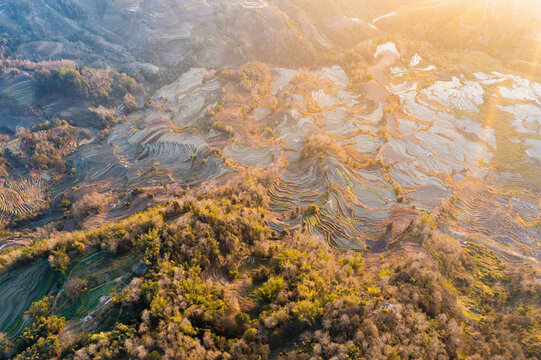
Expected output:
(318, 146)
(90, 204)
(270, 289)
(59, 260)
(252, 76)
(6, 347)
(129, 102)
(99, 86)
(250, 335)
(75, 287)
(311, 210)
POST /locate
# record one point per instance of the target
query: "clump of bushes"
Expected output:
(252, 76)
(220, 126)
(40, 339)
(101, 87)
(312, 107)
(311, 210)
(317, 146)
(44, 146)
(75, 287)
(90, 204)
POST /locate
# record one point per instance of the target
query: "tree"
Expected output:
(75, 288)
(59, 260)
(40, 308)
(129, 102)
(6, 347)
(270, 289)
(44, 348)
(39, 340)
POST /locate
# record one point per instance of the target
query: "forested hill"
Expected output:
(214, 281)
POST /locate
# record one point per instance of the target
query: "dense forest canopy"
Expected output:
(219, 283)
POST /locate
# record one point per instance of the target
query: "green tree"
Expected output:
(60, 261)
(270, 289)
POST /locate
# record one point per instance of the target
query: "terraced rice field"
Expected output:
(503, 224)
(103, 273)
(21, 197)
(249, 156)
(12, 146)
(20, 288)
(17, 88)
(253, 4)
(400, 145)
(160, 140)
(196, 5)
(129, 5)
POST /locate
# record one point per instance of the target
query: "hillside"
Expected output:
(282, 179)
(216, 281)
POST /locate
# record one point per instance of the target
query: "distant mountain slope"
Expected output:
(160, 31)
(507, 29)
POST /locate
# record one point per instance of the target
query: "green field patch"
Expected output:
(20, 288)
(87, 302)
(102, 272)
